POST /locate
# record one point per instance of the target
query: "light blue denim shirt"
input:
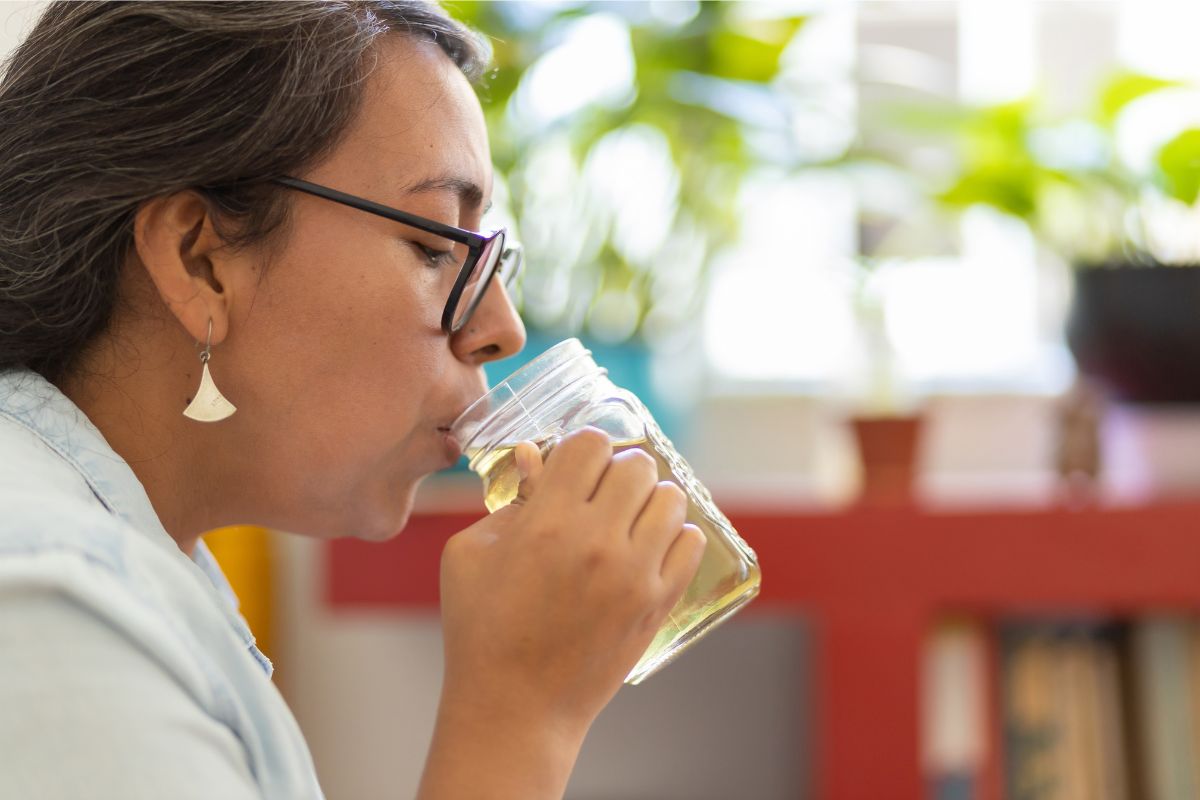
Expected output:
(125, 669)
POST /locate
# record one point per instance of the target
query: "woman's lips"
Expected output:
(449, 447)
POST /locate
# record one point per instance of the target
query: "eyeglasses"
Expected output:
(487, 256)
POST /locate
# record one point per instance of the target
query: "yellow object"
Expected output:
(244, 553)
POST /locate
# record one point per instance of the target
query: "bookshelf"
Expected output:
(872, 583)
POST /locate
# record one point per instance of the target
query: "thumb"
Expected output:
(529, 466)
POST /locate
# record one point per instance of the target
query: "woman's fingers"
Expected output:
(627, 494)
(576, 465)
(626, 488)
(660, 520)
(682, 560)
(666, 540)
(664, 535)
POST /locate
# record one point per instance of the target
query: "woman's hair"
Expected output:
(108, 104)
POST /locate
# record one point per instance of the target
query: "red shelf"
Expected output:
(871, 582)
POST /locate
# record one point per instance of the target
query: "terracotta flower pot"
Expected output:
(888, 449)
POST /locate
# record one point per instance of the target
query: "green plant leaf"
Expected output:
(752, 54)
(1179, 166)
(1011, 191)
(1123, 88)
(925, 118)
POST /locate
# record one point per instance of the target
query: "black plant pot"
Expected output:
(1135, 329)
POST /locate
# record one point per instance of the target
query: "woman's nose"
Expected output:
(493, 332)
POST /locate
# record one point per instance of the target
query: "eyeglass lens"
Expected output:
(477, 284)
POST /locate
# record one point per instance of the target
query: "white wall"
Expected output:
(16, 16)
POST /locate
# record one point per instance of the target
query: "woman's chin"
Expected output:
(390, 522)
(380, 534)
(376, 519)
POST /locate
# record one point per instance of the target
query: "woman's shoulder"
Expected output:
(59, 537)
(47, 505)
(56, 472)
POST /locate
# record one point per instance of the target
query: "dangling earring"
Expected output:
(209, 405)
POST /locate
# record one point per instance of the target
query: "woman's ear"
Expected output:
(179, 248)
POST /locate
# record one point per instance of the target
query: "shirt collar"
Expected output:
(37, 405)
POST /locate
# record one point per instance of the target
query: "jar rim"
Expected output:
(537, 369)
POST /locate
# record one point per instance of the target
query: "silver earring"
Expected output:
(209, 405)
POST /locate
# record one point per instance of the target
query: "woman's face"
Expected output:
(344, 381)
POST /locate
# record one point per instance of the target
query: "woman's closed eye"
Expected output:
(436, 257)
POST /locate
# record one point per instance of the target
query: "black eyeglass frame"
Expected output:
(477, 243)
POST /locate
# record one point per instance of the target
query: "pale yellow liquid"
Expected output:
(728, 576)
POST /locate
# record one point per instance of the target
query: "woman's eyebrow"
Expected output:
(467, 191)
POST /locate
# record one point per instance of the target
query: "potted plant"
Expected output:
(1131, 233)
(887, 425)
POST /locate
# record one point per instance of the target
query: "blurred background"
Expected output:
(913, 286)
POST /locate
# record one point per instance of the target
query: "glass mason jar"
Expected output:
(563, 390)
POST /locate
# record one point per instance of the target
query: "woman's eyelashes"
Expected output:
(435, 257)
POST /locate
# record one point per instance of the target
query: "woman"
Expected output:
(194, 332)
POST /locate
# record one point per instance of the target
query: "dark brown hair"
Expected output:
(108, 104)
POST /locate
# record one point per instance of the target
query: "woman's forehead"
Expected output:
(420, 129)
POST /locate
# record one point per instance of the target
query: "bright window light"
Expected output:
(1158, 37)
(593, 64)
(778, 309)
(974, 317)
(996, 60)
(633, 174)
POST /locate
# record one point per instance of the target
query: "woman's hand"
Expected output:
(556, 598)
(548, 604)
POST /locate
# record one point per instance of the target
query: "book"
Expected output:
(1063, 714)
(954, 709)
(1161, 650)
